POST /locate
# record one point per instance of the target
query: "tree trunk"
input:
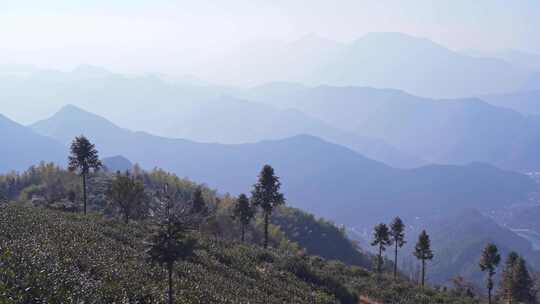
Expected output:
(423, 271)
(489, 285)
(84, 192)
(170, 284)
(266, 230)
(379, 260)
(243, 232)
(395, 261)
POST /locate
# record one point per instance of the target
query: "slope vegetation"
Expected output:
(53, 257)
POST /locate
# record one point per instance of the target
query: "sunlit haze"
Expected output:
(177, 37)
(270, 151)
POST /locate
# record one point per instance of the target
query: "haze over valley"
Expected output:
(254, 152)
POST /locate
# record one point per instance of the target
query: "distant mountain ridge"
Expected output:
(174, 109)
(529, 60)
(383, 60)
(439, 131)
(20, 147)
(323, 178)
(231, 120)
(524, 102)
(457, 133)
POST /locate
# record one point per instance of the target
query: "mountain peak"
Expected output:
(73, 112)
(70, 118)
(70, 108)
(396, 40)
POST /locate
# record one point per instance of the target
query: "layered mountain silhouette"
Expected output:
(20, 147)
(324, 178)
(440, 131)
(525, 59)
(525, 102)
(231, 120)
(199, 113)
(391, 126)
(385, 60)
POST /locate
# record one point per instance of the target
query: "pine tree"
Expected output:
(127, 193)
(489, 261)
(198, 203)
(244, 212)
(84, 158)
(265, 194)
(170, 241)
(422, 251)
(397, 238)
(381, 238)
(524, 282)
(508, 286)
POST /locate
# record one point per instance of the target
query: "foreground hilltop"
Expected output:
(57, 257)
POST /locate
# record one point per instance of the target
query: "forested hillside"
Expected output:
(52, 187)
(52, 253)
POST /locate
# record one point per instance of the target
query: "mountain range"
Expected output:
(199, 113)
(391, 126)
(323, 178)
(383, 60)
(452, 131)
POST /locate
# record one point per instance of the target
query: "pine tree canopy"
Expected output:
(381, 236)
(84, 156)
(422, 250)
(490, 258)
(198, 203)
(243, 211)
(397, 232)
(266, 192)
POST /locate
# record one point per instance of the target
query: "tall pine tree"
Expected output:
(422, 251)
(84, 158)
(397, 238)
(381, 238)
(266, 194)
(489, 261)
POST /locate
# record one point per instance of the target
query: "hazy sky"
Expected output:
(139, 34)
